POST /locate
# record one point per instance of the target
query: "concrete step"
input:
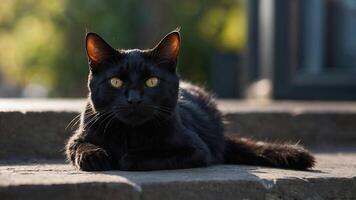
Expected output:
(333, 178)
(36, 128)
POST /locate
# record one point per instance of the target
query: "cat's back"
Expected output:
(196, 98)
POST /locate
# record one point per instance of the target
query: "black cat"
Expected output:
(139, 116)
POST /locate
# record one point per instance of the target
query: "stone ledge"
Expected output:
(36, 128)
(41, 105)
(227, 106)
(331, 179)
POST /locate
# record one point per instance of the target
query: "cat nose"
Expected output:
(134, 101)
(133, 97)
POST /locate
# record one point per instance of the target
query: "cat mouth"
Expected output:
(134, 116)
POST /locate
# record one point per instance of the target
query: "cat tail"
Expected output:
(249, 152)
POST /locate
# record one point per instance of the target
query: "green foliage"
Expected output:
(43, 41)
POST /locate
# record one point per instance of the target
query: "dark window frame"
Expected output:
(289, 84)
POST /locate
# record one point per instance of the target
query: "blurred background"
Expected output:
(254, 49)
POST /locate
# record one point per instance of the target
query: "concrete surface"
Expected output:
(333, 178)
(33, 129)
(36, 128)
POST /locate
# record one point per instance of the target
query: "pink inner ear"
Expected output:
(168, 48)
(97, 49)
(175, 46)
(93, 51)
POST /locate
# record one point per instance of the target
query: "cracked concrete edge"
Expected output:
(331, 179)
(80, 191)
(286, 189)
(112, 190)
(313, 188)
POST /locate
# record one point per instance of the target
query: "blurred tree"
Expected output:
(29, 40)
(42, 41)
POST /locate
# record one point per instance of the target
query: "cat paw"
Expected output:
(93, 160)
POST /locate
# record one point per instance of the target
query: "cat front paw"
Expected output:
(94, 159)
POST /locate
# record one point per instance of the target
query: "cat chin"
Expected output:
(133, 120)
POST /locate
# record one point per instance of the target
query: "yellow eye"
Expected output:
(116, 82)
(152, 82)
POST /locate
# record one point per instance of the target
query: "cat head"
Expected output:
(136, 86)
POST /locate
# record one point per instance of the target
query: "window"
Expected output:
(314, 49)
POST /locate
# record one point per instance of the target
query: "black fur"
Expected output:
(174, 125)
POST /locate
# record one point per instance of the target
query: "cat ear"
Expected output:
(97, 49)
(168, 47)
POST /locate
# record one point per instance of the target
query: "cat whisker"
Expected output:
(110, 120)
(162, 109)
(107, 116)
(77, 119)
(92, 121)
(156, 120)
(74, 121)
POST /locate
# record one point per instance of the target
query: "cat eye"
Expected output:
(116, 82)
(152, 82)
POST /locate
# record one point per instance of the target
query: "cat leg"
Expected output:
(87, 156)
